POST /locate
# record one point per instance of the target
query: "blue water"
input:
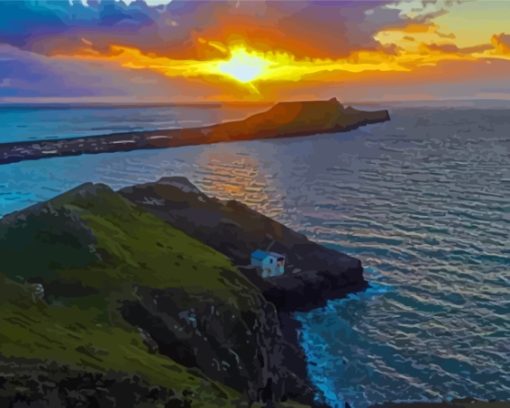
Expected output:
(423, 201)
(37, 122)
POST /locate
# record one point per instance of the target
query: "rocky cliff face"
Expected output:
(313, 273)
(240, 345)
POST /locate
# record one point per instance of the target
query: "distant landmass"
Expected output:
(285, 119)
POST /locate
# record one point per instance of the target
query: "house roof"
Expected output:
(260, 254)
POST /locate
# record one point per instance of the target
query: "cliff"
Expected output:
(104, 304)
(287, 119)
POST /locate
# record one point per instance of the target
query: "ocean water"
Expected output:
(423, 201)
(38, 122)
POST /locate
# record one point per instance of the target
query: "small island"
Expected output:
(285, 119)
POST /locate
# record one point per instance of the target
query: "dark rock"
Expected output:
(57, 386)
(240, 346)
(148, 341)
(308, 290)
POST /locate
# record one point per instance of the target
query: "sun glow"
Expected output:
(255, 70)
(243, 66)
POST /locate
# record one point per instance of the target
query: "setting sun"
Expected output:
(243, 66)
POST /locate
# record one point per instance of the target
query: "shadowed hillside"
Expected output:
(97, 294)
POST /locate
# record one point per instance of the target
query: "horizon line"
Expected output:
(53, 101)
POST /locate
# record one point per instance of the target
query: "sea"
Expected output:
(422, 200)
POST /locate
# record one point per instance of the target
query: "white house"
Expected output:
(269, 263)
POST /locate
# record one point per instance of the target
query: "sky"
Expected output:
(253, 50)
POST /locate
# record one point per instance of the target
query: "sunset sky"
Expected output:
(188, 50)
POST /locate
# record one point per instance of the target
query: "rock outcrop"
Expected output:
(240, 345)
(314, 273)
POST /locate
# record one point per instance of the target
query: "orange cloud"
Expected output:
(419, 27)
(241, 68)
(501, 43)
(414, 28)
(255, 49)
(274, 66)
(304, 28)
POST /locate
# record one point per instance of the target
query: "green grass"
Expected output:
(133, 247)
(95, 240)
(79, 337)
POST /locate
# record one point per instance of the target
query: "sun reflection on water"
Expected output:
(233, 176)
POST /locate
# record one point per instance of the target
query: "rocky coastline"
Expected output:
(165, 268)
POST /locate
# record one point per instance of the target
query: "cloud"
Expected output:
(27, 74)
(447, 79)
(305, 28)
(115, 48)
(501, 43)
(450, 48)
(31, 74)
(29, 24)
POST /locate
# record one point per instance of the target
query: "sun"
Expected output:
(243, 66)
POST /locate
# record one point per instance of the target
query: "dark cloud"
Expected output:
(28, 24)
(306, 28)
(27, 74)
(454, 49)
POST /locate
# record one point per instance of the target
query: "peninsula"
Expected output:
(136, 298)
(286, 119)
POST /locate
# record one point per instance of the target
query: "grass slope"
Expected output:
(91, 248)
